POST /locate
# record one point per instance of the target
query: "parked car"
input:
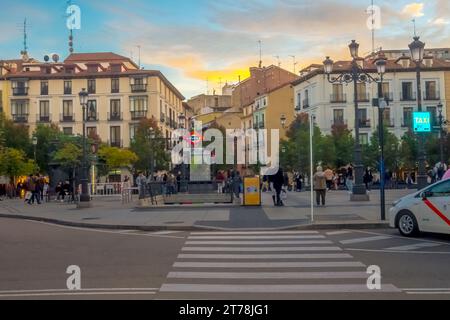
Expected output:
(425, 211)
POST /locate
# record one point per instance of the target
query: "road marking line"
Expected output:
(414, 246)
(256, 242)
(331, 288)
(165, 232)
(82, 290)
(336, 233)
(220, 233)
(251, 249)
(254, 237)
(265, 256)
(267, 275)
(392, 251)
(367, 239)
(55, 294)
(255, 265)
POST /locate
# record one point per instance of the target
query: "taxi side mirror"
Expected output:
(423, 195)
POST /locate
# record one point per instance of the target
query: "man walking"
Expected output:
(278, 180)
(320, 186)
(329, 174)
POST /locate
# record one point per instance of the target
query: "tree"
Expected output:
(409, 147)
(116, 158)
(14, 163)
(45, 135)
(69, 157)
(15, 136)
(371, 152)
(148, 149)
(344, 145)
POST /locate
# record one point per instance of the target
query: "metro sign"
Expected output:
(422, 122)
(194, 138)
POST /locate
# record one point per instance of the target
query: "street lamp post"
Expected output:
(380, 62)
(84, 198)
(35, 142)
(151, 137)
(417, 49)
(355, 75)
(182, 125)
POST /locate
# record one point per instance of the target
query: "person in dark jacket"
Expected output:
(278, 181)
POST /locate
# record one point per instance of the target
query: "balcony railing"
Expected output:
(138, 88)
(338, 98)
(363, 97)
(305, 103)
(44, 92)
(364, 123)
(138, 115)
(339, 122)
(432, 96)
(67, 90)
(116, 143)
(20, 91)
(43, 118)
(92, 117)
(408, 96)
(261, 125)
(67, 118)
(115, 116)
(20, 118)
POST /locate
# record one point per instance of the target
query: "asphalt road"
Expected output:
(329, 264)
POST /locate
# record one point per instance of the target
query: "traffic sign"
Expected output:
(422, 122)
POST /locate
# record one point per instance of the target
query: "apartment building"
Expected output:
(334, 103)
(120, 95)
(204, 103)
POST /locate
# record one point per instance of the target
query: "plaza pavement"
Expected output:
(110, 213)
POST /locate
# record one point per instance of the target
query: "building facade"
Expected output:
(334, 103)
(203, 103)
(120, 96)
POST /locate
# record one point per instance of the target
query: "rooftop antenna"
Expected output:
(278, 60)
(295, 63)
(24, 29)
(71, 50)
(260, 53)
(372, 14)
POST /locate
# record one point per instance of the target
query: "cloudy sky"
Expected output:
(195, 40)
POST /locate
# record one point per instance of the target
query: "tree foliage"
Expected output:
(116, 158)
(14, 163)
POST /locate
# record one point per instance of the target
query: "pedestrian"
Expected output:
(349, 178)
(34, 188)
(237, 181)
(220, 180)
(320, 186)
(277, 180)
(368, 179)
(298, 182)
(329, 174)
(141, 182)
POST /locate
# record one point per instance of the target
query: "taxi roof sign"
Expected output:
(422, 122)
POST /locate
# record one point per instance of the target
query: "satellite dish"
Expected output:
(46, 58)
(55, 57)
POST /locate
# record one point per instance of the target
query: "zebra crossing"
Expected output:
(259, 262)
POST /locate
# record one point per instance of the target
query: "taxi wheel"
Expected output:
(407, 224)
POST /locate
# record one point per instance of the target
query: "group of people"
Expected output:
(36, 188)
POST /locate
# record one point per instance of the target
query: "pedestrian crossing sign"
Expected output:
(422, 122)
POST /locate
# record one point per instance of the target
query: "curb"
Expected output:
(318, 226)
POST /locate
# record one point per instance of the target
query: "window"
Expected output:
(68, 131)
(68, 87)
(306, 100)
(433, 116)
(91, 86)
(92, 110)
(440, 190)
(67, 108)
(138, 107)
(20, 88)
(44, 88)
(20, 107)
(407, 91)
(387, 91)
(115, 85)
(115, 136)
(362, 92)
(44, 111)
(91, 132)
(362, 118)
(338, 93)
(387, 117)
(431, 92)
(364, 138)
(338, 116)
(299, 100)
(115, 113)
(407, 117)
(133, 131)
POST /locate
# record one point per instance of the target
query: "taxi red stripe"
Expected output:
(437, 211)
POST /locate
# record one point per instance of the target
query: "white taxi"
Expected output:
(425, 211)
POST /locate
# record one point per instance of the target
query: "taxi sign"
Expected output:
(422, 122)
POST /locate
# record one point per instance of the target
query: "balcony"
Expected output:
(67, 118)
(363, 97)
(138, 88)
(44, 92)
(432, 96)
(67, 91)
(20, 118)
(138, 115)
(20, 91)
(339, 122)
(115, 116)
(405, 96)
(338, 98)
(364, 123)
(305, 103)
(261, 125)
(115, 143)
(389, 96)
(92, 117)
(43, 118)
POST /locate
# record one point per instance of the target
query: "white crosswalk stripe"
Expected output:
(414, 246)
(366, 239)
(260, 262)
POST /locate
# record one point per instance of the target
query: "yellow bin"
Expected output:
(252, 191)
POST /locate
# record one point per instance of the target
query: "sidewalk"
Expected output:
(111, 214)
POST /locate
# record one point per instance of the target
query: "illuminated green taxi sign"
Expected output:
(422, 122)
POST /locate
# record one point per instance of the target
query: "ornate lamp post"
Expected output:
(182, 124)
(417, 49)
(151, 137)
(381, 62)
(85, 197)
(35, 142)
(355, 75)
